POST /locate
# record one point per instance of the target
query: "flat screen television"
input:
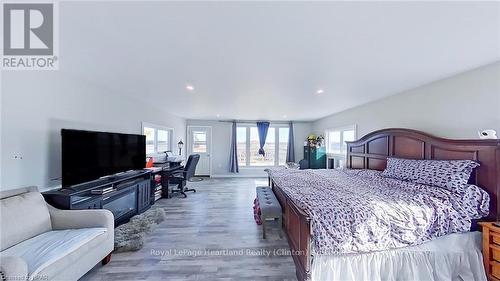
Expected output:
(88, 155)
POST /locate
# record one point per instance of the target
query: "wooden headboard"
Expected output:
(372, 150)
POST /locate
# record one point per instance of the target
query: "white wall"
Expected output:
(221, 145)
(35, 105)
(455, 107)
(301, 131)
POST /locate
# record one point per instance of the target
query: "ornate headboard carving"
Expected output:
(372, 150)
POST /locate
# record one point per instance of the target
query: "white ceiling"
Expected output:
(266, 60)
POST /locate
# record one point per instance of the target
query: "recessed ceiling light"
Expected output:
(320, 91)
(190, 88)
(284, 116)
(218, 115)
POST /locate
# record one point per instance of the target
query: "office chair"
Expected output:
(186, 175)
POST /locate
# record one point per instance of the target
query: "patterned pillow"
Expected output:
(475, 201)
(450, 174)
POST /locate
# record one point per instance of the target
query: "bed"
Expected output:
(369, 155)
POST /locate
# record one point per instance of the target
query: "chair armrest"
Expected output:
(13, 268)
(66, 219)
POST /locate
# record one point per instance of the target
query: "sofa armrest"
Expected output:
(13, 268)
(66, 219)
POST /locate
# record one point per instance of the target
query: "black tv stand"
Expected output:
(127, 194)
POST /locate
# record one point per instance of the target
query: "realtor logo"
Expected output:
(29, 36)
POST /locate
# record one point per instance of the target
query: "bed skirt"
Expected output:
(452, 257)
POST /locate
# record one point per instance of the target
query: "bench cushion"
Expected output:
(269, 204)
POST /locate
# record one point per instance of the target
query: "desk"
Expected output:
(168, 163)
(166, 173)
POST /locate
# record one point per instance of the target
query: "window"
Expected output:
(241, 145)
(257, 159)
(158, 138)
(336, 139)
(150, 134)
(247, 137)
(199, 141)
(163, 140)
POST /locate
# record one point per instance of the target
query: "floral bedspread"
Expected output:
(354, 211)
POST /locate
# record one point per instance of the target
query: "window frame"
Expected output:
(191, 142)
(247, 144)
(342, 154)
(156, 127)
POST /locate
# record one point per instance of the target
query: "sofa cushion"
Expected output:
(43, 250)
(23, 216)
(13, 268)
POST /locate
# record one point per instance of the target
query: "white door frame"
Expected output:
(189, 147)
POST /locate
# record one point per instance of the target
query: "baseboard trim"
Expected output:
(239, 176)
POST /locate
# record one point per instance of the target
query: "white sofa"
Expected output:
(40, 242)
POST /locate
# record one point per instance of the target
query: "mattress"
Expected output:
(451, 257)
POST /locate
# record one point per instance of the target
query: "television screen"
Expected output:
(88, 155)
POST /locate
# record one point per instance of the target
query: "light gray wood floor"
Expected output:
(211, 235)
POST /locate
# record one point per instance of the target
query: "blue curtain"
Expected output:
(233, 154)
(290, 150)
(262, 128)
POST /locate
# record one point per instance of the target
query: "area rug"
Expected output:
(195, 179)
(131, 235)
